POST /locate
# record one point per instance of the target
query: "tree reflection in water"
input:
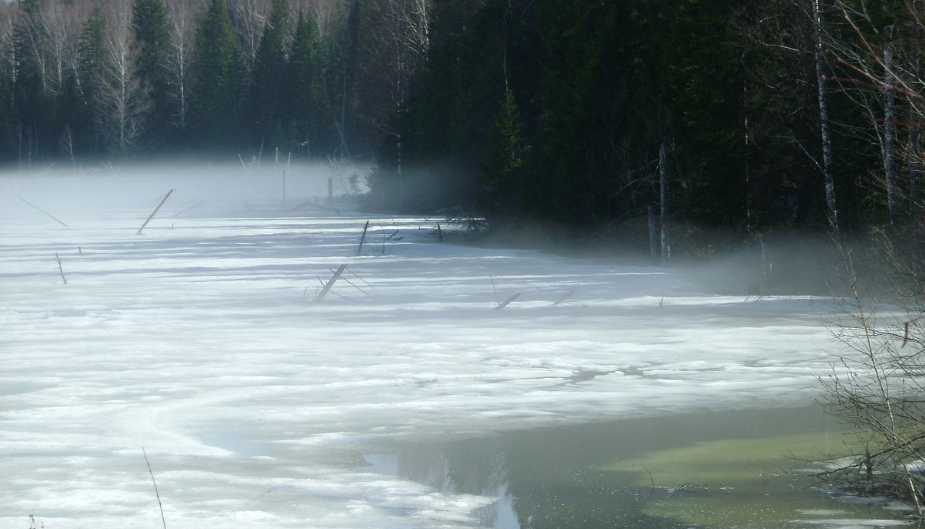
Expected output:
(571, 476)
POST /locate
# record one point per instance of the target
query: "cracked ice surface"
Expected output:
(198, 342)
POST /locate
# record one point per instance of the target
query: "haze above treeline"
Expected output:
(588, 114)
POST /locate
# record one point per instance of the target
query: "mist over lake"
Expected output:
(202, 341)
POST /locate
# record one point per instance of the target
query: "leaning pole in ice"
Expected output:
(330, 283)
(153, 213)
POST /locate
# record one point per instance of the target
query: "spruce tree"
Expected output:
(149, 22)
(310, 106)
(349, 55)
(501, 175)
(268, 76)
(218, 82)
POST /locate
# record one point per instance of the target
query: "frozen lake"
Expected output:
(198, 341)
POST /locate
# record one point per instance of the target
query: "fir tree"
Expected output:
(268, 76)
(218, 81)
(309, 103)
(149, 22)
(501, 175)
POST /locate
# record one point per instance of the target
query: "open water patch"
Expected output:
(718, 469)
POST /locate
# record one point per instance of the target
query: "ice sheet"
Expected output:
(198, 341)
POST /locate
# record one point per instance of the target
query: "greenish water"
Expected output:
(730, 469)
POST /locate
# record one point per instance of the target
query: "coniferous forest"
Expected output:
(605, 116)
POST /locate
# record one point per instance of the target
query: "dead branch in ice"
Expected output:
(153, 213)
(330, 283)
(365, 282)
(501, 304)
(362, 239)
(508, 301)
(43, 211)
(563, 298)
(60, 268)
(389, 238)
(345, 280)
(194, 206)
(156, 493)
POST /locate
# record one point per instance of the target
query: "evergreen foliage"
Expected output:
(218, 83)
(547, 111)
(502, 173)
(268, 80)
(311, 119)
(152, 37)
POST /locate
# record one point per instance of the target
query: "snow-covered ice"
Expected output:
(198, 342)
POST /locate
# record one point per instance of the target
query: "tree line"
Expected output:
(89, 80)
(747, 116)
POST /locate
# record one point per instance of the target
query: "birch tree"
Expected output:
(398, 50)
(91, 65)
(864, 51)
(31, 50)
(248, 17)
(879, 53)
(325, 14)
(123, 96)
(888, 140)
(828, 177)
(8, 15)
(31, 87)
(182, 33)
(61, 22)
(876, 385)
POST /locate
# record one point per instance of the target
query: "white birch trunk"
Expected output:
(181, 18)
(123, 95)
(889, 134)
(663, 187)
(824, 118)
